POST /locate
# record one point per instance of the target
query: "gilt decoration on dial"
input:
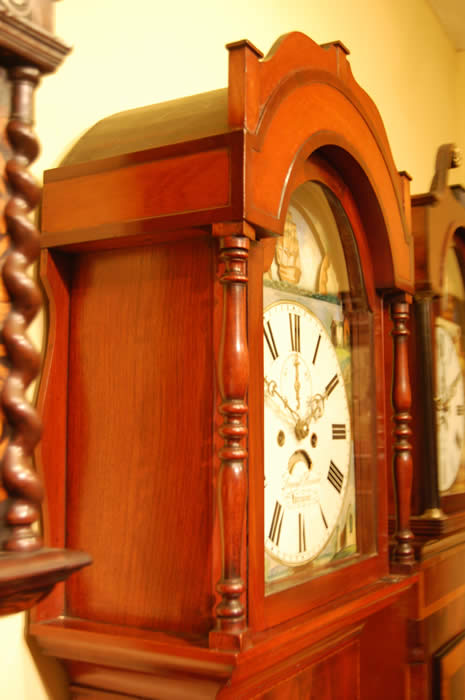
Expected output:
(310, 506)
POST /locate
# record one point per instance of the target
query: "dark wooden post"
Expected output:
(430, 501)
(233, 378)
(22, 484)
(402, 402)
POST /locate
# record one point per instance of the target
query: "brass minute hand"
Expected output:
(317, 406)
(271, 389)
(453, 387)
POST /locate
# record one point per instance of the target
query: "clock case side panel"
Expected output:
(51, 453)
(126, 338)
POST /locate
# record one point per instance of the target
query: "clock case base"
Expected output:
(305, 655)
(431, 527)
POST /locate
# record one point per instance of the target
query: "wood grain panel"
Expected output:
(121, 684)
(450, 670)
(384, 652)
(336, 676)
(442, 581)
(139, 426)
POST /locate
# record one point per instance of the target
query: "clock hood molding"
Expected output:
(438, 214)
(279, 109)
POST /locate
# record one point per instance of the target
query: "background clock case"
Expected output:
(438, 219)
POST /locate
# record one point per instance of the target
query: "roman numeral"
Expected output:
(294, 327)
(316, 349)
(335, 477)
(323, 516)
(302, 541)
(460, 410)
(276, 523)
(339, 431)
(270, 341)
(332, 385)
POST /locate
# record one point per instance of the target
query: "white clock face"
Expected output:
(450, 408)
(307, 434)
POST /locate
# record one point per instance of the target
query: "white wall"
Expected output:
(130, 54)
(124, 59)
(460, 176)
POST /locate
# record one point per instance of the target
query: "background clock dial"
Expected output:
(450, 406)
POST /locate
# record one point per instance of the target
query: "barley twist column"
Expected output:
(19, 480)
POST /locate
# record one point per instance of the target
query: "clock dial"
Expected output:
(450, 403)
(307, 434)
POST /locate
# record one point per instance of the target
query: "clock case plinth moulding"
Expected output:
(174, 202)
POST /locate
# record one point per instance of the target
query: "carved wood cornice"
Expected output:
(28, 42)
(20, 8)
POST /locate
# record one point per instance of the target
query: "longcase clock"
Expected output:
(438, 496)
(220, 272)
(439, 231)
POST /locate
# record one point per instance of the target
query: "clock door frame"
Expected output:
(368, 564)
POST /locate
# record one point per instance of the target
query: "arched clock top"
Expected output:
(438, 216)
(301, 99)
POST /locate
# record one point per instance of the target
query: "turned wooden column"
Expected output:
(403, 553)
(233, 378)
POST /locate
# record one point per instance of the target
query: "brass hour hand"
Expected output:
(442, 404)
(271, 389)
